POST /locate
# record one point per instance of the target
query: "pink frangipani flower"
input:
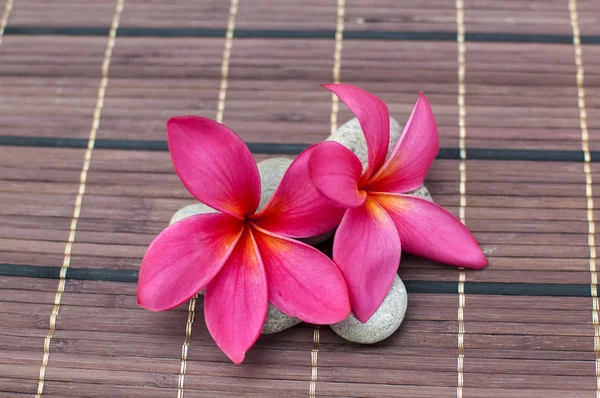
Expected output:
(381, 219)
(243, 258)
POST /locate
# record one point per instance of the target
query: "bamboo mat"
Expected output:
(86, 183)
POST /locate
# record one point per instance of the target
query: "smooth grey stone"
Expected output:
(421, 192)
(191, 210)
(271, 173)
(382, 324)
(351, 136)
(277, 321)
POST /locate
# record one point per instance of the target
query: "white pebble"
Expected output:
(382, 324)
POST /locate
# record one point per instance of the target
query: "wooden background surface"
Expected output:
(86, 183)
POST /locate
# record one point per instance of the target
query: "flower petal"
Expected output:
(184, 258)
(408, 163)
(366, 247)
(427, 230)
(374, 118)
(236, 300)
(297, 209)
(214, 164)
(335, 171)
(303, 282)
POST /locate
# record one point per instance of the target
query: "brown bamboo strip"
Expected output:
(349, 375)
(481, 121)
(490, 239)
(285, 353)
(139, 170)
(76, 313)
(517, 393)
(562, 367)
(540, 248)
(517, 189)
(216, 368)
(502, 329)
(227, 384)
(489, 98)
(62, 389)
(80, 194)
(156, 209)
(215, 381)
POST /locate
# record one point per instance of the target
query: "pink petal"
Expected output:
(335, 171)
(297, 209)
(374, 118)
(427, 230)
(236, 300)
(184, 258)
(408, 163)
(214, 164)
(367, 250)
(303, 282)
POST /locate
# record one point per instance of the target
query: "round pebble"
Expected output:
(277, 321)
(271, 173)
(351, 136)
(191, 210)
(382, 324)
(421, 192)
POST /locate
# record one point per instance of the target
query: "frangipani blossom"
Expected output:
(244, 259)
(381, 219)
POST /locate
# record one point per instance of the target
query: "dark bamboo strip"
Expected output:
(294, 149)
(298, 34)
(413, 286)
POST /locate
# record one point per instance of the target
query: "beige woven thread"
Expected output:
(337, 63)
(585, 147)
(314, 356)
(80, 193)
(233, 10)
(4, 21)
(462, 131)
(333, 119)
